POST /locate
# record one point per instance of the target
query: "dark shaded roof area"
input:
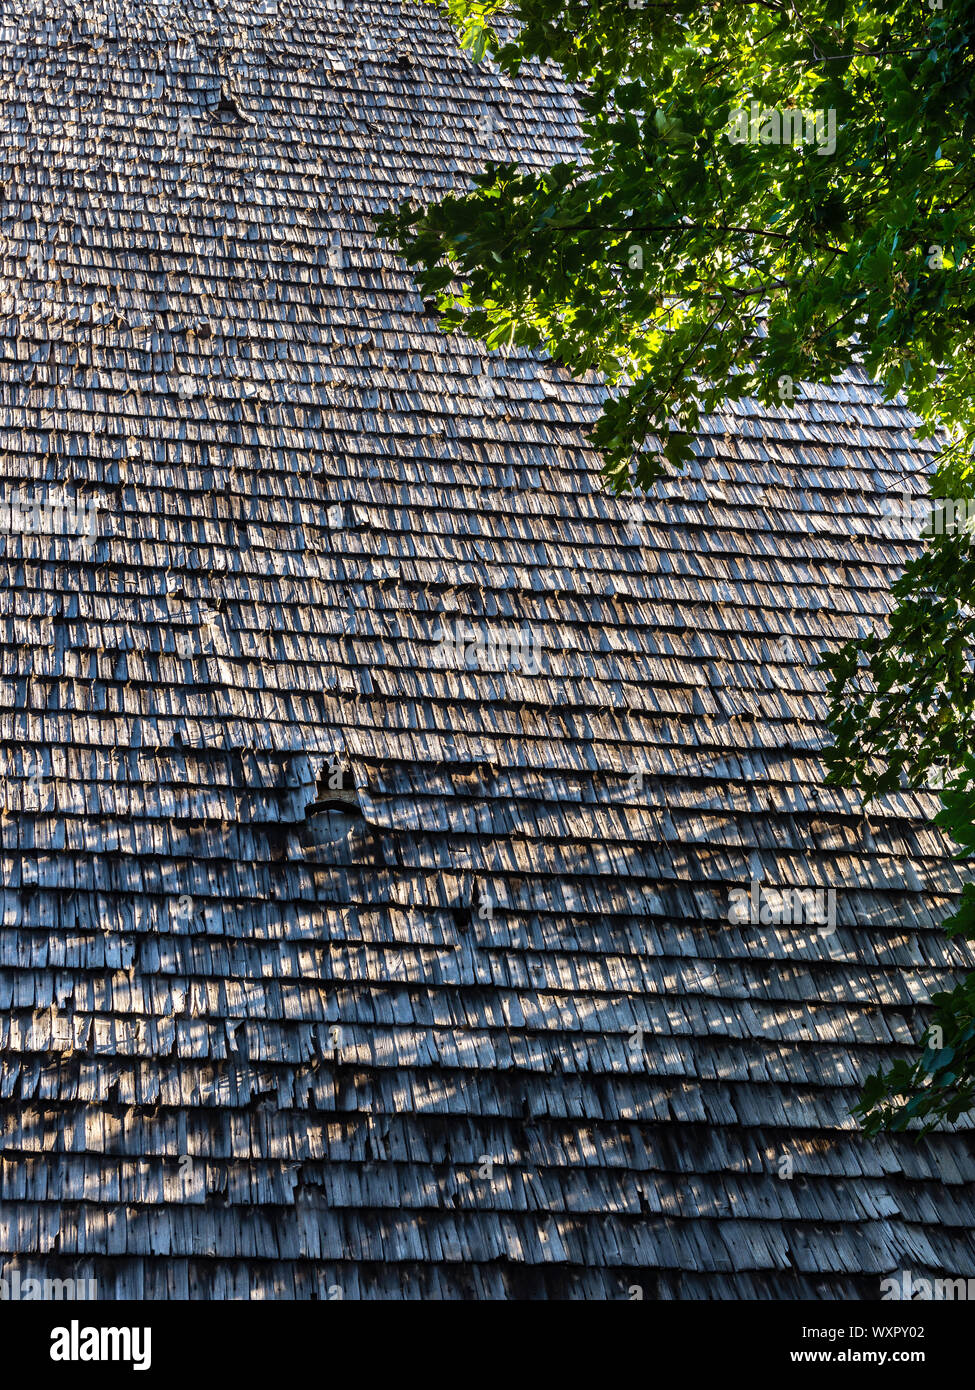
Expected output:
(249, 1052)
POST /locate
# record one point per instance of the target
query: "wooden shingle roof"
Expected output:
(497, 1037)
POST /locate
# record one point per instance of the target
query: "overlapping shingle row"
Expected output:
(489, 1030)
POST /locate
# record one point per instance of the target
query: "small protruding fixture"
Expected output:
(228, 110)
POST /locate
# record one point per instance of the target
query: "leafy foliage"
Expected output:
(689, 268)
(903, 714)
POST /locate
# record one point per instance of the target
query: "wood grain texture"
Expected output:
(241, 1057)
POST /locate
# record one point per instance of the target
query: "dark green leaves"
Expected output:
(654, 259)
(695, 253)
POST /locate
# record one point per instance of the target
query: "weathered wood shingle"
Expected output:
(499, 1038)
